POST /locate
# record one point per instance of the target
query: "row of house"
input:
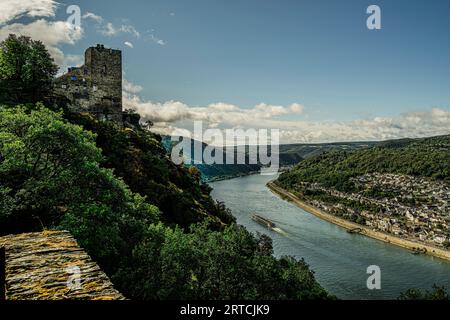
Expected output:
(410, 207)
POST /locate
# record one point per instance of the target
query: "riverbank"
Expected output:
(239, 175)
(348, 225)
(228, 177)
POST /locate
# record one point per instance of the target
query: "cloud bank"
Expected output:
(51, 33)
(14, 9)
(174, 117)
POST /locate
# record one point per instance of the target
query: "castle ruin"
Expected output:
(96, 86)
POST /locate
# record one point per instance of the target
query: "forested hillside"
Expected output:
(212, 172)
(428, 157)
(151, 225)
(288, 155)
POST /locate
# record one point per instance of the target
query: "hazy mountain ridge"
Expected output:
(289, 155)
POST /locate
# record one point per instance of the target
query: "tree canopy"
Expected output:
(53, 175)
(26, 71)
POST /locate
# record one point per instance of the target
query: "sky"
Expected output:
(309, 68)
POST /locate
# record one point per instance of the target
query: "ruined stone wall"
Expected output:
(50, 265)
(95, 87)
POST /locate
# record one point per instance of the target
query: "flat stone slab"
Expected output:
(51, 266)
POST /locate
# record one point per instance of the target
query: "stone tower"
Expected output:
(95, 87)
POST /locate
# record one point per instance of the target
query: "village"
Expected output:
(409, 207)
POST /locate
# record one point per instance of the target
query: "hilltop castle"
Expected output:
(96, 86)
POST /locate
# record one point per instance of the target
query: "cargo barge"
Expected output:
(263, 221)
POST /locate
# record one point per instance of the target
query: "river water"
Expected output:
(339, 259)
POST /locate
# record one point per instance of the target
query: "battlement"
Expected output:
(100, 54)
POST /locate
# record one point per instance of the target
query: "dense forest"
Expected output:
(151, 225)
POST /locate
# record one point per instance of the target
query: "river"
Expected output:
(339, 259)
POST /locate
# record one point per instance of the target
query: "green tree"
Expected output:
(205, 265)
(26, 71)
(50, 178)
(53, 174)
(138, 157)
(40, 158)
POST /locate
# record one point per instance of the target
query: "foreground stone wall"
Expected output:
(44, 266)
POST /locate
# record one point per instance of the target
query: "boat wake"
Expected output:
(280, 231)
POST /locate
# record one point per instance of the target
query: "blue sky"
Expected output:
(319, 54)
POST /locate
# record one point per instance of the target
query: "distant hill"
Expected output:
(214, 171)
(289, 155)
(428, 157)
(310, 150)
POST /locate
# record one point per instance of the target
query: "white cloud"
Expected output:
(168, 116)
(13, 9)
(171, 116)
(156, 40)
(217, 113)
(129, 87)
(93, 16)
(130, 29)
(74, 60)
(51, 33)
(110, 30)
(150, 36)
(223, 107)
(296, 108)
(412, 125)
(128, 44)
